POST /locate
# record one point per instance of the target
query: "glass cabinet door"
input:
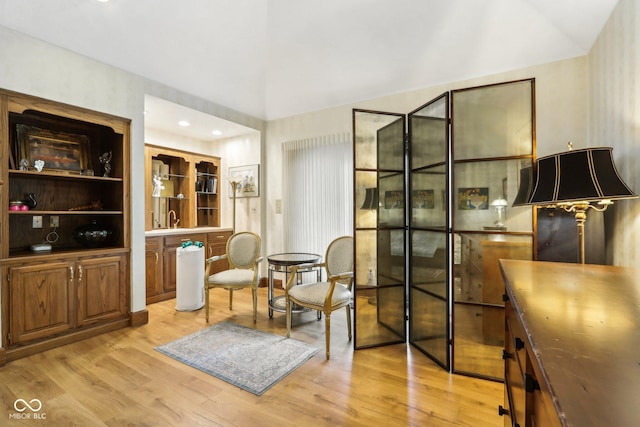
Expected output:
(380, 243)
(429, 237)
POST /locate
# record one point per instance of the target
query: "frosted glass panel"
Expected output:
(367, 126)
(478, 184)
(493, 121)
(428, 141)
(392, 203)
(428, 197)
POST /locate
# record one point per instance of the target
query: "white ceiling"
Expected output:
(163, 115)
(276, 58)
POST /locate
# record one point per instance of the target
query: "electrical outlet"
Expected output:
(54, 221)
(37, 221)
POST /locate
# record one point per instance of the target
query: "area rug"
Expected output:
(252, 360)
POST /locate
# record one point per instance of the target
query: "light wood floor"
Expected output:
(118, 379)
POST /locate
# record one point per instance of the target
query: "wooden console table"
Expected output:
(572, 353)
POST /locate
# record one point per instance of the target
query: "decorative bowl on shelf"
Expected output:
(16, 205)
(92, 235)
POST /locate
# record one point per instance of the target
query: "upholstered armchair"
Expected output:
(327, 296)
(243, 255)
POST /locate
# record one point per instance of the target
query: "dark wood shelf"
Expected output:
(62, 175)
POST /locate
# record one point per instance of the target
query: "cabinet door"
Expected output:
(217, 245)
(169, 261)
(41, 301)
(153, 266)
(101, 284)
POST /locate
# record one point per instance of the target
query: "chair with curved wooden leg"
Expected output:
(325, 296)
(243, 255)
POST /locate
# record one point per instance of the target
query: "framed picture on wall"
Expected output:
(473, 199)
(247, 179)
(422, 199)
(393, 200)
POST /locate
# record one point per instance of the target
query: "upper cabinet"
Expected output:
(181, 189)
(65, 175)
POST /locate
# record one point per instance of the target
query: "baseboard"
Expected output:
(139, 318)
(264, 282)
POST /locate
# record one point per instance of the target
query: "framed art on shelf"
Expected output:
(247, 179)
(59, 151)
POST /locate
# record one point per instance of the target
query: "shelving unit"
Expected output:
(71, 291)
(186, 189)
(207, 186)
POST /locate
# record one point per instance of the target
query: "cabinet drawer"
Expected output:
(514, 381)
(516, 339)
(177, 240)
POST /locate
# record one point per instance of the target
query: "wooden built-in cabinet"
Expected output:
(161, 259)
(191, 189)
(71, 291)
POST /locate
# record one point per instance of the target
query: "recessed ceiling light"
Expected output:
(184, 123)
(216, 132)
(103, 1)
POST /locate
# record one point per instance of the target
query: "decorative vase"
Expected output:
(92, 235)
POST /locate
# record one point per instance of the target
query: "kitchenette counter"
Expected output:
(173, 231)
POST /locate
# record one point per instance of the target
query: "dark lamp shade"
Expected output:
(370, 199)
(585, 175)
(524, 188)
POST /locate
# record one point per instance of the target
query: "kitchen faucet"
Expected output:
(175, 220)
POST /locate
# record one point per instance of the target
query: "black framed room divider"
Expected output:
(433, 213)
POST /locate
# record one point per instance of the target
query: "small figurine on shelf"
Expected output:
(105, 159)
(24, 165)
(39, 164)
(157, 186)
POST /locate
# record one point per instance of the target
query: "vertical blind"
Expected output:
(318, 196)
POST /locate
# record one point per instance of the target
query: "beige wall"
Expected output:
(614, 120)
(561, 98)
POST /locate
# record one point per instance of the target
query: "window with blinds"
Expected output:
(318, 196)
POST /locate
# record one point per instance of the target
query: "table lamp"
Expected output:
(370, 199)
(500, 205)
(578, 180)
(370, 203)
(524, 188)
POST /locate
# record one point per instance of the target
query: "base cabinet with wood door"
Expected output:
(161, 257)
(153, 267)
(51, 298)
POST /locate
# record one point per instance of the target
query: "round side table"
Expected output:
(280, 263)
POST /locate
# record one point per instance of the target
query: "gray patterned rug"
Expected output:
(250, 359)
